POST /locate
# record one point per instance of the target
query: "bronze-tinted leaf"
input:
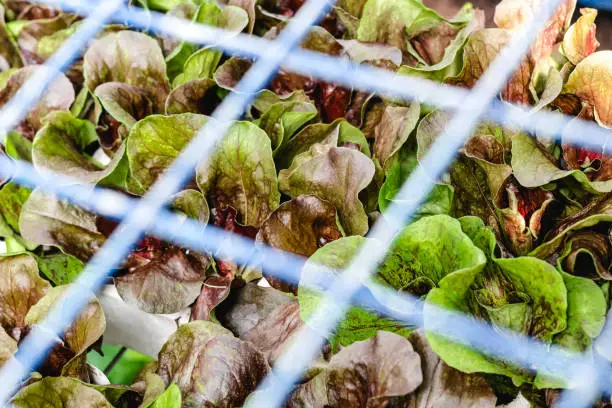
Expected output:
(48, 221)
(59, 96)
(371, 373)
(301, 226)
(214, 290)
(196, 96)
(85, 330)
(590, 81)
(211, 366)
(68, 357)
(443, 386)
(8, 346)
(336, 175)
(275, 331)
(480, 50)
(533, 166)
(20, 288)
(231, 71)
(396, 124)
(588, 253)
(246, 307)
(580, 39)
(126, 103)
(167, 282)
(31, 34)
(128, 57)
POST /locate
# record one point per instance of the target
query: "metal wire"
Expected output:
(286, 266)
(15, 110)
(470, 107)
(290, 366)
(35, 346)
(545, 124)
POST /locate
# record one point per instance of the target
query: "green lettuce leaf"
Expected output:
(60, 392)
(149, 149)
(176, 51)
(12, 198)
(404, 163)
(524, 294)
(425, 252)
(18, 146)
(60, 146)
(586, 313)
(163, 5)
(283, 119)
(185, 62)
(9, 52)
(416, 263)
(170, 398)
(193, 204)
(59, 268)
(241, 174)
(200, 65)
(358, 323)
(154, 385)
(532, 167)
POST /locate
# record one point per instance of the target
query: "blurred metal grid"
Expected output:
(470, 107)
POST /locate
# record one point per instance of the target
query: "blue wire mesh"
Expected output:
(137, 215)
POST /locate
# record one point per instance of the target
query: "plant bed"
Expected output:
(516, 235)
